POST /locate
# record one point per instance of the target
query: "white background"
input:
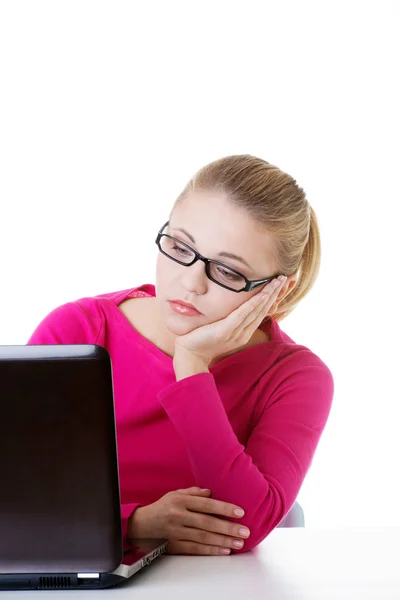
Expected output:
(108, 108)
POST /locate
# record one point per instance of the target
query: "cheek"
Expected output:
(222, 303)
(224, 306)
(159, 269)
(164, 270)
(233, 303)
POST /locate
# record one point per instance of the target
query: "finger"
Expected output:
(202, 536)
(211, 524)
(262, 310)
(195, 491)
(264, 302)
(248, 307)
(214, 507)
(269, 295)
(187, 547)
(233, 323)
(272, 285)
(209, 531)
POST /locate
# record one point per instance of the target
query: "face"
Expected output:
(216, 226)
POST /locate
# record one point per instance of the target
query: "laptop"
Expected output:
(60, 515)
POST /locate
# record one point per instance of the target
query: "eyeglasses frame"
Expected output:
(250, 284)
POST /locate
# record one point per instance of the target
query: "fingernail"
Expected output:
(244, 532)
(225, 551)
(283, 278)
(239, 512)
(237, 544)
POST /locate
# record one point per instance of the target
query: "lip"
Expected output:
(186, 305)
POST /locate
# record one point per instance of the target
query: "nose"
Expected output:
(194, 278)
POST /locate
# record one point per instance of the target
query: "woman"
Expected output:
(217, 410)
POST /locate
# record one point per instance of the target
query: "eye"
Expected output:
(181, 251)
(228, 274)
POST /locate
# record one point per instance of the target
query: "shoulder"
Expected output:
(295, 361)
(78, 321)
(298, 363)
(301, 383)
(82, 320)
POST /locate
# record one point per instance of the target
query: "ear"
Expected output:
(288, 285)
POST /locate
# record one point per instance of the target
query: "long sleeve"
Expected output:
(68, 324)
(126, 511)
(264, 477)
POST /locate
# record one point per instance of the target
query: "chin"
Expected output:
(180, 325)
(179, 328)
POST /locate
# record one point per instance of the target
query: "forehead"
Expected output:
(211, 214)
(217, 225)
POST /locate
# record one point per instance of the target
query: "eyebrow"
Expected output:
(225, 254)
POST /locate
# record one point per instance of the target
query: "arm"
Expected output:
(128, 512)
(69, 324)
(264, 477)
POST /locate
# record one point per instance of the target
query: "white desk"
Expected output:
(294, 563)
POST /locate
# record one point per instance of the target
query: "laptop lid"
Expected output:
(59, 499)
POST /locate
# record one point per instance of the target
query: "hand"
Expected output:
(235, 330)
(184, 518)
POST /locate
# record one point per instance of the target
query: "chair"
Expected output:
(294, 518)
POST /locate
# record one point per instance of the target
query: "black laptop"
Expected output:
(60, 519)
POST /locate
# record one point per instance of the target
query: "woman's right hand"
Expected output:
(186, 519)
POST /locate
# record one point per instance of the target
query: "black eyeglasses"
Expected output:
(216, 271)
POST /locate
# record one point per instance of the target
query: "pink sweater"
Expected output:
(248, 430)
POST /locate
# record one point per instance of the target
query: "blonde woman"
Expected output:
(218, 411)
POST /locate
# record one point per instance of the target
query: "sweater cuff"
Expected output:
(126, 512)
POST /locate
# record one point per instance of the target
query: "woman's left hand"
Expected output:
(235, 330)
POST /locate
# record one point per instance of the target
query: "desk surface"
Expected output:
(294, 563)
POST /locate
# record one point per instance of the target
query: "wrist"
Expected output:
(187, 369)
(182, 353)
(187, 364)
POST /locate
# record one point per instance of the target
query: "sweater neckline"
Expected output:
(148, 290)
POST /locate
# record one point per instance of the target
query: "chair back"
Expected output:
(294, 518)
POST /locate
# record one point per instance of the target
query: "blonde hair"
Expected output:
(277, 205)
